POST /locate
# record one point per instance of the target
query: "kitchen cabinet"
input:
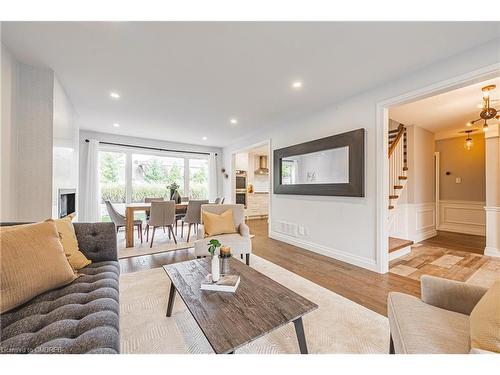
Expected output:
(257, 205)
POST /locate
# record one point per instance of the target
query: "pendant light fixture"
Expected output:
(487, 112)
(468, 140)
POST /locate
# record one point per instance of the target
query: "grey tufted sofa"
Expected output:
(82, 317)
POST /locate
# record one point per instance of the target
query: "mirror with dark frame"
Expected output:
(328, 166)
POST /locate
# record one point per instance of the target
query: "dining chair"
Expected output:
(162, 214)
(217, 200)
(149, 200)
(222, 200)
(193, 216)
(120, 220)
(181, 215)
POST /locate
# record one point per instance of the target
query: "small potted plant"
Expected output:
(174, 195)
(213, 245)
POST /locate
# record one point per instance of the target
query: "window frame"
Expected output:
(129, 151)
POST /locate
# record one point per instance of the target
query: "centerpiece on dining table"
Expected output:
(174, 192)
(219, 261)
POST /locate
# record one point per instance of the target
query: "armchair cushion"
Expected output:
(237, 243)
(420, 328)
(450, 295)
(485, 321)
(214, 224)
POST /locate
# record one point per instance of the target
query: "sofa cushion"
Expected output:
(485, 321)
(69, 242)
(33, 262)
(419, 328)
(81, 317)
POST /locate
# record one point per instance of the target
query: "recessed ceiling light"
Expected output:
(114, 95)
(116, 125)
(204, 138)
(233, 121)
(297, 85)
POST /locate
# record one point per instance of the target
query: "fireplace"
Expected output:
(66, 202)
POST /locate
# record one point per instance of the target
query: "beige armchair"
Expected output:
(438, 323)
(239, 242)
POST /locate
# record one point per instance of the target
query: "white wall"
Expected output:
(34, 159)
(38, 129)
(342, 227)
(65, 145)
(8, 137)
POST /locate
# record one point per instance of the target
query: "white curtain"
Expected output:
(91, 197)
(212, 177)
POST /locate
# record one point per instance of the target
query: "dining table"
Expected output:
(132, 208)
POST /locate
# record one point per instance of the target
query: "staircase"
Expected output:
(398, 164)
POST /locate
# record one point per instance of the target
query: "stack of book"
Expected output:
(226, 283)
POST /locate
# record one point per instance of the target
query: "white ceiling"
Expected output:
(447, 114)
(181, 81)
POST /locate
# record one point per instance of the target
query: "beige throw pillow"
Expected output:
(218, 224)
(485, 321)
(69, 242)
(32, 261)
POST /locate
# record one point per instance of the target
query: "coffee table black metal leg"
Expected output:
(299, 330)
(171, 299)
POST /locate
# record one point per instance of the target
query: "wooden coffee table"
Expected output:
(231, 320)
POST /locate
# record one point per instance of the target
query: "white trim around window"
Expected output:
(129, 151)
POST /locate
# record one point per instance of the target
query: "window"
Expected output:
(127, 176)
(288, 172)
(112, 181)
(198, 178)
(153, 175)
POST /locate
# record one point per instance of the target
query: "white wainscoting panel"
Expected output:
(421, 221)
(398, 221)
(413, 221)
(462, 217)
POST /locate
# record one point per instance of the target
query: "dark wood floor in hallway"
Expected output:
(457, 241)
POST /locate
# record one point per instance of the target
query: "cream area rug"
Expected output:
(161, 245)
(337, 326)
(144, 249)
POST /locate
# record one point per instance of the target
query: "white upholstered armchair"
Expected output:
(240, 242)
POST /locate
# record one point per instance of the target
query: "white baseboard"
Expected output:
(343, 256)
(399, 253)
(492, 252)
(421, 236)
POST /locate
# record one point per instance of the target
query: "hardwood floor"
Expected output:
(365, 287)
(458, 241)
